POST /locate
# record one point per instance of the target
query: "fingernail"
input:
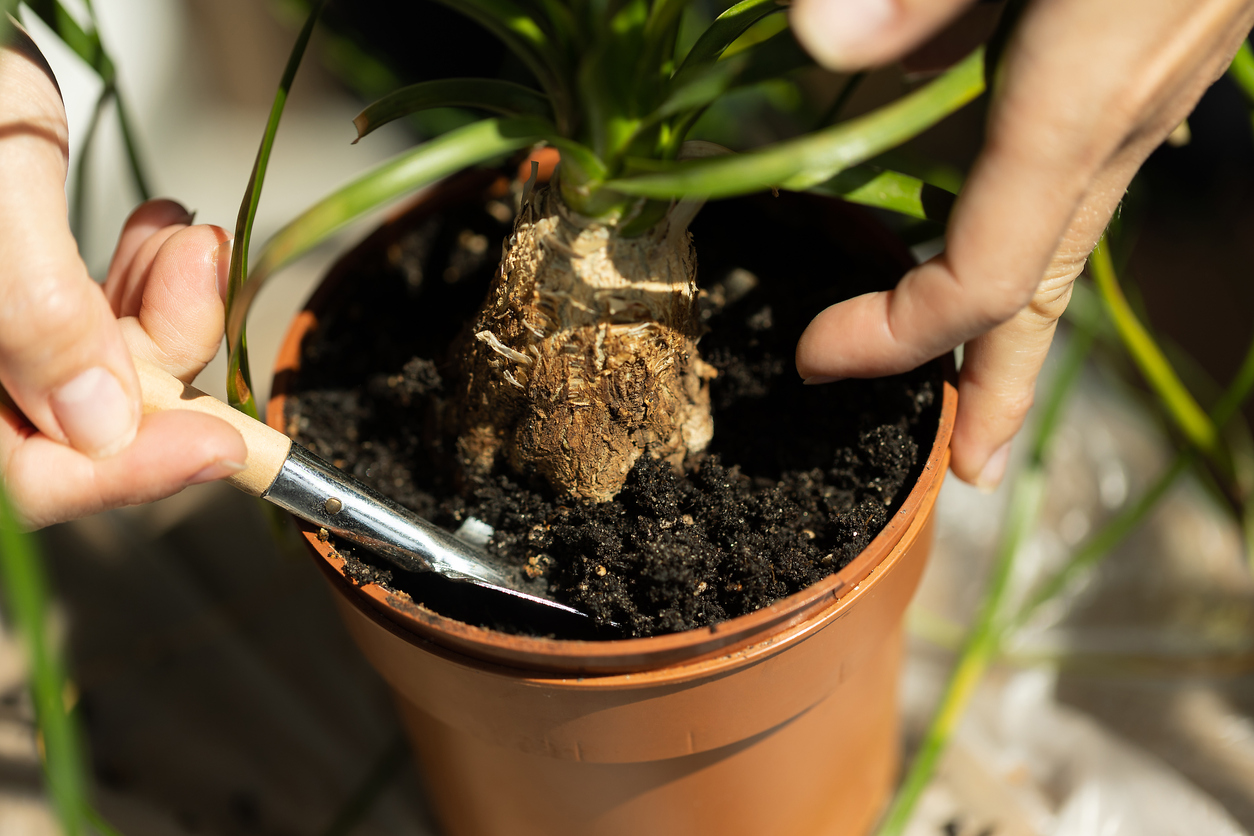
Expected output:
(819, 379)
(994, 469)
(836, 31)
(95, 413)
(187, 216)
(215, 471)
(222, 262)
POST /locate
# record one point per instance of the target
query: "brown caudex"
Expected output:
(783, 721)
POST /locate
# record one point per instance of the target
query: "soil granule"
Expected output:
(797, 481)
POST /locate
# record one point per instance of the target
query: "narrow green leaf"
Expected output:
(503, 97)
(1179, 403)
(524, 37)
(238, 381)
(78, 207)
(890, 190)
(25, 589)
(726, 28)
(7, 8)
(86, 45)
(804, 162)
(984, 641)
(412, 170)
(699, 86)
(381, 774)
(842, 98)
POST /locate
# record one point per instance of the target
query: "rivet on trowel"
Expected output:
(333, 506)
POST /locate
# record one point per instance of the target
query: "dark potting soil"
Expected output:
(797, 481)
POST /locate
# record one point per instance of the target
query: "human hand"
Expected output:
(1087, 89)
(73, 439)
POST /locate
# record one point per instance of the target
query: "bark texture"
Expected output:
(584, 355)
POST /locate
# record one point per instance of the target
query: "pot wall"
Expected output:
(796, 736)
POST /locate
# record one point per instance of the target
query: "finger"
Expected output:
(62, 357)
(854, 34)
(1055, 125)
(145, 221)
(1000, 368)
(50, 482)
(180, 317)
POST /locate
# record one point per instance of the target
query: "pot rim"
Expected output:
(611, 656)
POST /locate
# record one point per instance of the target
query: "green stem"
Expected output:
(984, 639)
(1181, 407)
(842, 98)
(1104, 541)
(133, 158)
(78, 209)
(238, 381)
(26, 594)
(368, 791)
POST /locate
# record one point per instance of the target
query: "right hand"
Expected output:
(73, 436)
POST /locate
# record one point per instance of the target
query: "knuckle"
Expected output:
(1051, 298)
(53, 312)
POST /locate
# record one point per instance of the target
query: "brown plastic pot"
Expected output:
(783, 721)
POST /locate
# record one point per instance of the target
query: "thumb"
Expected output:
(63, 361)
(853, 34)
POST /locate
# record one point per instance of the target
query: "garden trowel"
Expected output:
(286, 474)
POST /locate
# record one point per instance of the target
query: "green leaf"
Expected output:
(238, 381)
(25, 589)
(726, 28)
(523, 36)
(891, 190)
(804, 162)
(1184, 410)
(697, 87)
(503, 97)
(412, 170)
(88, 46)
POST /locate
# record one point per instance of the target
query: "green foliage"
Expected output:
(87, 45)
(502, 97)
(238, 383)
(623, 99)
(26, 598)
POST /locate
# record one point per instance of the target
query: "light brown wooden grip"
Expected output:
(267, 448)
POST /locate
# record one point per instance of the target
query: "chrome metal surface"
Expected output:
(315, 491)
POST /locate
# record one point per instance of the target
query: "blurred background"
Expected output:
(220, 694)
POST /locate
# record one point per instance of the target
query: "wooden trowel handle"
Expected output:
(267, 448)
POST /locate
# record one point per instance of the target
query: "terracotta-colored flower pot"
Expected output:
(783, 721)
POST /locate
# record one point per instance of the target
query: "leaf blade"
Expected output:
(892, 190)
(238, 381)
(437, 158)
(502, 97)
(804, 162)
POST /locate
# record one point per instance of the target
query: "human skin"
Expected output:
(1087, 89)
(73, 436)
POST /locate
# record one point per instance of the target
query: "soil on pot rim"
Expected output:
(798, 480)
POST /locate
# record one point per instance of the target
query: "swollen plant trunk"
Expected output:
(584, 355)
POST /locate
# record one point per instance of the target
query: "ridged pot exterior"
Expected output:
(783, 721)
